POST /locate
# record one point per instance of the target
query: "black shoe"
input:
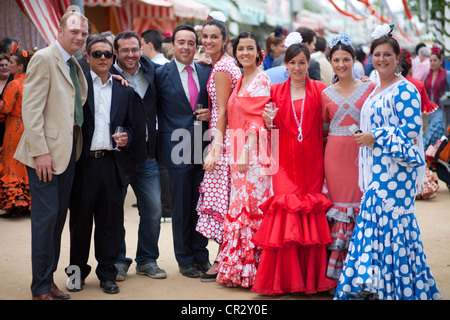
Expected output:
(208, 277)
(203, 266)
(109, 286)
(189, 271)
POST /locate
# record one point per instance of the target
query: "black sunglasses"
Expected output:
(98, 54)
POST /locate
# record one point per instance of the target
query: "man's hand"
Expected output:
(45, 167)
(122, 140)
(202, 114)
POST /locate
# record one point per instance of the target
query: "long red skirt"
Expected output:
(294, 235)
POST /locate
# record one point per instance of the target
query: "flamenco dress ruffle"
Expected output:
(386, 257)
(14, 190)
(294, 235)
(239, 256)
(342, 218)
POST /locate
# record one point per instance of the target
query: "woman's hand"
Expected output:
(267, 113)
(122, 80)
(243, 161)
(364, 139)
(212, 158)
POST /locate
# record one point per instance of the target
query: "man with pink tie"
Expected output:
(181, 84)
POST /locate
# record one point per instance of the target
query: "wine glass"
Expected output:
(198, 106)
(272, 114)
(116, 136)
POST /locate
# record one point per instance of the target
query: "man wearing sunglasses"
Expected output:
(101, 172)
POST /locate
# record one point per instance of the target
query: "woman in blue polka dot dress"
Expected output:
(386, 258)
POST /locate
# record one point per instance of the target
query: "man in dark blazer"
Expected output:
(182, 146)
(138, 70)
(101, 172)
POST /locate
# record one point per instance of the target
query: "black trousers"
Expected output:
(96, 197)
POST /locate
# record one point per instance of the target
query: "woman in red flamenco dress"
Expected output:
(15, 194)
(294, 233)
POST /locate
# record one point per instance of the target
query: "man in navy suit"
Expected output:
(101, 172)
(182, 146)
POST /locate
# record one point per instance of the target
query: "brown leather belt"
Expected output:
(99, 153)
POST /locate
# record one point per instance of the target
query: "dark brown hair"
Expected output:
(21, 59)
(247, 35)
(385, 39)
(294, 50)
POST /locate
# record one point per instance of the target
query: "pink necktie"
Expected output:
(192, 86)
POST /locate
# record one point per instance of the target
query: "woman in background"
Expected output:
(15, 197)
(274, 47)
(437, 82)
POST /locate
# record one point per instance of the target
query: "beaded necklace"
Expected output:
(299, 123)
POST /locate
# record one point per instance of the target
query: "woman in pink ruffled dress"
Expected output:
(341, 106)
(250, 187)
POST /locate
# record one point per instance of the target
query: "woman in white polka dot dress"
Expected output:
(386, 258)
(215, 188)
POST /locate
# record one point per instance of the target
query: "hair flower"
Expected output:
(436, 50)
(217, 15)
(278, 32)
(381, 31)
(293, 38)
(261, 58)
(343, 38)
(15, 47)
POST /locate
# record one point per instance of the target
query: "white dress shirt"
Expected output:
(64, 54)
(160, 59)
(184, 76)
(101, 140)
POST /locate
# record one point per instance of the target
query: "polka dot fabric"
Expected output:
(386, 258)
(215, 188)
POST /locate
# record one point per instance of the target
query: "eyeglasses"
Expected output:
(127, 51)
(98, 54)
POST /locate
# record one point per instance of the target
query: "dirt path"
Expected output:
(15, 265)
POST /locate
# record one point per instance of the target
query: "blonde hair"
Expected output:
(67, 15)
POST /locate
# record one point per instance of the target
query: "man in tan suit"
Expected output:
(51, 142)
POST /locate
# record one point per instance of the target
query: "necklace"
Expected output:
(301, 85)
(299, 123)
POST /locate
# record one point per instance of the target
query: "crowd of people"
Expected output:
(302, 161)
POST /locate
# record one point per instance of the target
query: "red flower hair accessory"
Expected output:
(436, 50)
(261, 58)
(15, 47)
(405, 55)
